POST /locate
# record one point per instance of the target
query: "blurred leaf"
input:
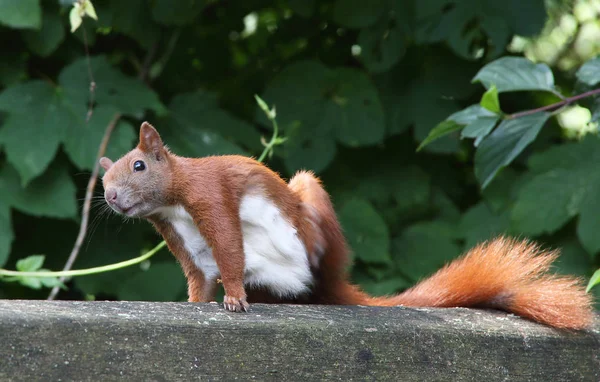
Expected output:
(162, 282)
(515, 74)
(479, 223)
(503, 145)
(490, 100)
(315, 103)
(573, 259)
(165, 12)
(31, 263)
(201, 111)
(134, 19)
(31, 139)
(355, 111)
(12, 68)
(6, 232)
(357, 13)
(129, 95)
(21, 13)
(565, 179)
(48, 38)
(589, 72)
(52, 194)
(594, 280)
(366, 232)
(382, 45)
(424, 247)
(83, 139)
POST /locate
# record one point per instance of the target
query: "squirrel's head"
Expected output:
(137, 184)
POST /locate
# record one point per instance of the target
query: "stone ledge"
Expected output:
(101, 341)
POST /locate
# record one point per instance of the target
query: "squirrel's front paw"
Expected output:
(234, 304)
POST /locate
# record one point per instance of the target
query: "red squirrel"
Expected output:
(231, 217)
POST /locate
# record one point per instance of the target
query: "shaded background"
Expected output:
(357, 85)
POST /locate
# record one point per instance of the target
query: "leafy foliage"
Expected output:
(357, 86)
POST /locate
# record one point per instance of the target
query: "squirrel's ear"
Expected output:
(106, 163)
(150, 141)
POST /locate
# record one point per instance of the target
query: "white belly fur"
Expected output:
(275, 257)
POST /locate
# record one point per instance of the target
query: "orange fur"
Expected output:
(503, 273)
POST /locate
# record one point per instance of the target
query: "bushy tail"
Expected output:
(503, 274)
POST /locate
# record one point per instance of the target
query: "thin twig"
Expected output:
(85, 213)
(558, 104)
(94, 176)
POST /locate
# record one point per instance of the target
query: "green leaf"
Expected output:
(477, 119)
(190, 108)
(479, 129)
(21, 13)
(52, 194)
(134, 19)
(13, 68)
(31, 263)
(565, 179)
(316, 104)
(366, 231)
(382, 45)
(515, 74)
(183, 13)
(594, 280)
(30, 282)
(490, 101)
(589, 72)
(128, 95)
(46, 40)
(471, 114)
(83, 140)
(357, 13)
(355, 111)
(428, 117)
(443, 128)
(162, 282)
(479, 223)
(425, 247)
(31, 139)
(50, 282)
(308, 150)
(506, 142)
(6, 232)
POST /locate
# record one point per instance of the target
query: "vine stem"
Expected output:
(88, 271)
(563, 102)
(274, 141)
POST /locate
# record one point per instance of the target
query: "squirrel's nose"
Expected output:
(111, 195)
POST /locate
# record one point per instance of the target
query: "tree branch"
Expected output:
(558, 104)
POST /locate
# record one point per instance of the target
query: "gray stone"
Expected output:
(104, 341)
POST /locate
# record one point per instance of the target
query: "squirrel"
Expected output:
(231, 217)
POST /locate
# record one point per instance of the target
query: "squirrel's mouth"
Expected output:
(128, 211)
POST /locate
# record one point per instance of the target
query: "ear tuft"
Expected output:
(150, 141)
(106, 163)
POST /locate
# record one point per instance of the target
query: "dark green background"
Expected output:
(355, 120)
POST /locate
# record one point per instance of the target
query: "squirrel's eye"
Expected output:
(139, 166)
